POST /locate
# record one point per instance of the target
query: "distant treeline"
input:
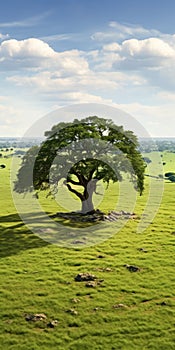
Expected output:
(150, 145)
(10, 142)
(146, 145)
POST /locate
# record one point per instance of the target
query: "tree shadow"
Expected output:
(16, 237)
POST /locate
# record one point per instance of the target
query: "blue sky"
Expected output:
(64, 52)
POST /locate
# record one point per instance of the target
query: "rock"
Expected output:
(142, 250)
(108, 269)
(75, 300)
(35, 317)
(72, 311)
(52, 324)
(115, 214)
(120, 306)
(91, 284)
(77, 241)
(132, 268)
(123, 212)
(83, 277)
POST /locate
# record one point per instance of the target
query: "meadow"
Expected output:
(126, 310)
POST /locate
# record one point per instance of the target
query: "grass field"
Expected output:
(127, 310)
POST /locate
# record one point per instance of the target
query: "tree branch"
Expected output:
(79, 195)
(79, 176)
(91, 174)
(73, 182)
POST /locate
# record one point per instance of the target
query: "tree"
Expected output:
(147, 160)
(82, 153)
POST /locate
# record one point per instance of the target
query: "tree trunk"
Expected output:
(87, 204)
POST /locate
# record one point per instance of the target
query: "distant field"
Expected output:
(126, 310)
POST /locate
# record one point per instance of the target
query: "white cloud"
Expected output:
(37, 55)
(56, 37)
(133, 30)
(20, 55)
(152, 47)
(80, 97)
(71, 62)
(29, 48)
(4, 36)
(135, 70)
(132, 63)
(119, 32)
(112, 47)
(53, 82)
(134, 53)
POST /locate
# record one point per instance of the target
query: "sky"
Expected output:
(60, 53)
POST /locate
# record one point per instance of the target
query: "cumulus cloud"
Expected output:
(135, 48)
(112, 47)
(107, 68)
(153, 59)
(137, 66)
(152, 47)
(29, 48)
(35, 54)
(133, 63)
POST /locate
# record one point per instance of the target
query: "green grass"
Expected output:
(37, 277)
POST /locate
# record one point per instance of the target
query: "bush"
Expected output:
(169, 174)
(171, 178)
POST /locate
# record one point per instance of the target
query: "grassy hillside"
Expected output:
(126, 310)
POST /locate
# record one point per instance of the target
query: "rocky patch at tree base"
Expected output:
(96, 216)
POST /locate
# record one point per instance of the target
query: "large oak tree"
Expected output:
(82, 152)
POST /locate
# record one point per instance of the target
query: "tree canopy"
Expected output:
(82, 152)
